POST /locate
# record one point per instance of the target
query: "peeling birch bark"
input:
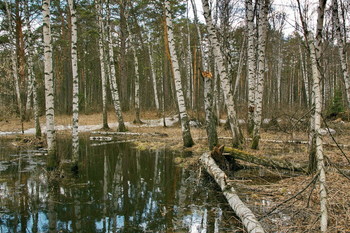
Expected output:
(241, 210)
(251, 63)
(49, 83)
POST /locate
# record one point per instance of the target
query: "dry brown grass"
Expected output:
(303, 210)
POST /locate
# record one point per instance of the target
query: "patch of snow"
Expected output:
(324, 131)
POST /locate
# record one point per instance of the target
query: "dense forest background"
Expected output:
(287, 66)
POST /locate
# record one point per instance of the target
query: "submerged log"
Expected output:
(267, 162)
(241, 210)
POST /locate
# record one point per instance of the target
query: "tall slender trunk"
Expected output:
(186, 132)
(305, 76)
(251, 64)
(237, 137)
(49, 83)
(112, 76)
(240, 66)
(188, 60)
(341, 47)
(209, 111)
(137, 82)
(102, 64)
(31, 76)
(14, 64)
(314, 45)
(75, 125)
(259, 90)
(154, 78)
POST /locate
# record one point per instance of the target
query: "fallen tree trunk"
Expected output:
(267, 162)
(241, 210)
(156, 134)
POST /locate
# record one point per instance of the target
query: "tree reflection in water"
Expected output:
(118, 189)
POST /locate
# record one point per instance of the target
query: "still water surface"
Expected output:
(118, 189)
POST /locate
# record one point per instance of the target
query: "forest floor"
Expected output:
(297, 194)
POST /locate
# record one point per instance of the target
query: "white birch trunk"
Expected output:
(49, 83)
(209, 112)
(319, 144)
(314, 45)
(186, 132)
(247, 217)
(263, 7)
(102, 64)
(251, 64)
(137, 81)
(112, 79)
(318, 111)
(32, 77)
(188, 60)
(237, 137)
(75, 123)
(14, 62)
(341, 48)
(154, 79)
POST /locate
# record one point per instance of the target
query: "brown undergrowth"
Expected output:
(299, 214)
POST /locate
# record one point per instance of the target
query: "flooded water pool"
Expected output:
(118, 189)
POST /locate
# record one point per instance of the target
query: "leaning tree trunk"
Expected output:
(263, 7)
(32, 77)
(237, 137)
(185, 126)
(251, 64)
(75, 125)
(247, 217)
(14, 64)
(49, 83)
(112, 79)
(102, 64)
(341, 47)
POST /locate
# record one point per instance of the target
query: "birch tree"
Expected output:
(31, 76)
(237, 137)
(137, 81)
(251, 63)
(153, 75)
(314, 46)
(75, 125)
(188, 59)
(186, 132)
(14, 63)
(341, 48)
(112, 76)
(101, 37)
(263, 6)
(49, 83)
